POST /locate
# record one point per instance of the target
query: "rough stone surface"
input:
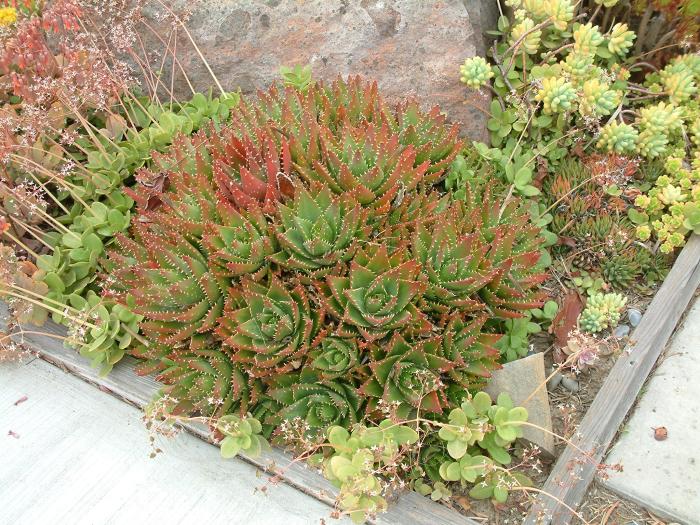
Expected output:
(554, 380)
(520, 379)
(664, 476)
(621, 331)
(408, 46)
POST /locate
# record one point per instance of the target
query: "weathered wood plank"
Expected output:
(574, 471)
(124, 383)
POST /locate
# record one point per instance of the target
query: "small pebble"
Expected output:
(621, 331)
(570, 384)
(635, 316)
(554, 381)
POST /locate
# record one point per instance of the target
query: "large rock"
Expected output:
(520, 379)
(408, 46)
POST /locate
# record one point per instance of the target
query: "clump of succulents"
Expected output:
(478, 435)
(558, 78)
(590, 215)
(602, 312)
(99, 208)
(670, 210)
(355, 460)
(302, 263)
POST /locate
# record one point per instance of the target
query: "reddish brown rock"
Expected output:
(409, 46)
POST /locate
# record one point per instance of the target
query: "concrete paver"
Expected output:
(664, 475)
(70, 454)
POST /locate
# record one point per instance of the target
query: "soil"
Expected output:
(603, 507)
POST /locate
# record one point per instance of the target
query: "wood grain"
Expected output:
(574, 471)
(124, 383)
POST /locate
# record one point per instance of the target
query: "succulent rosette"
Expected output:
(251, 171)
(319, 403)
(239, 243)
(207, 382)
(353, 103)
(408, 374)
(169, 282)
(465, 343)
(318, 229)
(269, 327)
(453, 264)
(335, 357)
(367, 161)
(378, 295)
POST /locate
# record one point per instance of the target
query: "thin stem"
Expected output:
(177, 60)
(498, 96)
(196, 47)
(646, 64)
(540, 491)
(21, 244)
(555, 51)
(23, 332)
(643, 27)
(136, 336)
(44, 305)
(35, 232)
(42, 297)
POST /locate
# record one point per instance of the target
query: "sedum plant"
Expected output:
(670, 210)
(478, 428)
(310, 241)
(355, 459)
(562, 75)
(240, 435)
(602, 312)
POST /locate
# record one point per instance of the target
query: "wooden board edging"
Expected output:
(573, 472)
(123, 383)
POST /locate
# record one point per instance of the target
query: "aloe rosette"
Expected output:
(319, 403)
(269, 327)
(335, 357)
(169, 282)
(409, 374)
(473, 350)
(239, 243)
(318, 229)
(453, 264)
(378, 294)
(353, 103)
(208, 382)
(367, 161)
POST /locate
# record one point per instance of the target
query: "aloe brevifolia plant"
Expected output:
(318, 229)
(310, 245)
(319, 403)
(409, 374)
(270, 327)
(378, 294)
(208, 381)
